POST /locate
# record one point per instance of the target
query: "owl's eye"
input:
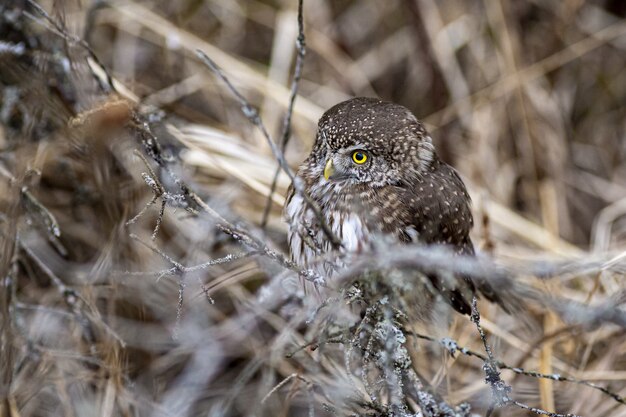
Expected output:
(359, 157)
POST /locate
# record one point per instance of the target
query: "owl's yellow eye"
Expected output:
(359, 157)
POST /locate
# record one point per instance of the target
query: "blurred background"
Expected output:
(527, 99)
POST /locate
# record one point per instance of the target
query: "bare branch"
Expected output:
(286, 130)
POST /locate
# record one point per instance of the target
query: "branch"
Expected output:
(151, 146)
(286, 131)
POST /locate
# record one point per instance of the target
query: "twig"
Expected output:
(500, 390)
(159, 220)
(179, 307)
(281, 384)
(178, 267)
(159, 192)
(369, 313)
(452, 347)
(314, 345)
(286, 130)
(33, 206)
(540, 411)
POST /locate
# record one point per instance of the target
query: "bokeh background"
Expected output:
(527, 99)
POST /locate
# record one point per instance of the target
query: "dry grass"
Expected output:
(101, 316)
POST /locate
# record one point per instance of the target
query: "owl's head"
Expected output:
(369, 141)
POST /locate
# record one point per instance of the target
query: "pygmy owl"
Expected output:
(374, 173)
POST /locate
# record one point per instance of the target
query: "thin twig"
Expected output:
(286, 130)
(500, 390)
(281, 384)
(453, 347)
(181, 268)
(179, 308)
(314, 345)
(540, 411)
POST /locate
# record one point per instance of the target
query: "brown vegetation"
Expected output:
(136, 277)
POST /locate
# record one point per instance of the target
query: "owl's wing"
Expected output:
(440, 214)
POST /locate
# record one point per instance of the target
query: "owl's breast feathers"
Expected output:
(432, 208)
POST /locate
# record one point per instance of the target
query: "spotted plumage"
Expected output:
(402, 192)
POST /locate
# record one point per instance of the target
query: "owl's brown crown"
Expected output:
(385, 129)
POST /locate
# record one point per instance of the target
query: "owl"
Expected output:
(374, 173)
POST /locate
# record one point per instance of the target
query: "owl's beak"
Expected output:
(329, 169)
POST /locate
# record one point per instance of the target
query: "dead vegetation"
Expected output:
(139, 276)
